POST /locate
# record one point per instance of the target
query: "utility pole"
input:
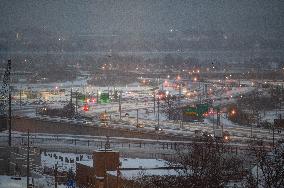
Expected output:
(71, 100)
(21, 97)
(214, 123)
(28, 161)
(117, 176)
(158, 82)
(55, 175)
(158, 113)
(76, 101)
(218, 117)
(97, 96)
(179, 100)
(119, 103)
(273, 130)
(205, 91)
(10, 119)
(273, 135)
(219, 122)
(154, 102)
(251, 130)
(137, 117)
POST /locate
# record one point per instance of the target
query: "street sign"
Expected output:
(198, 111)
(70, 184)
(202, 108)
(104, 98)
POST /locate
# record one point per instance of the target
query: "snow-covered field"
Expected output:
(21, 182)
(64, 161)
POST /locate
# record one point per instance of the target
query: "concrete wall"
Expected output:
(40, 126)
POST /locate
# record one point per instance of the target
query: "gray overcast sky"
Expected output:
(143, 15)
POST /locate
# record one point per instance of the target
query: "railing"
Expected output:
(126, 146)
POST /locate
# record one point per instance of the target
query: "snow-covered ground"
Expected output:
(139, 97)
(64, 161)
(21, 182)
(269, 116)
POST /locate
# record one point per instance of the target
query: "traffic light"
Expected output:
(86, 108)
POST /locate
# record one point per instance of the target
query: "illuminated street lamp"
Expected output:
(167, 93)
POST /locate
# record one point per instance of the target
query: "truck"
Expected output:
(218, 134)
(104, 118)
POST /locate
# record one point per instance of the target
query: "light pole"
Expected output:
(154, 102)
(55, 175)
(137, 117)
(76, 101)
(214, 124)
(21, 97)
(179, 101)
(28, 160)
(10, 119)
(250, 128)
(158, 113)
(273, 135)
(119, 107)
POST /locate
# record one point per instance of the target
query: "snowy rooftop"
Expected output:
(106, 150)
(86, 163)
(134, 163)
(142, 163)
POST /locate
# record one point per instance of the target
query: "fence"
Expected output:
(131, 147)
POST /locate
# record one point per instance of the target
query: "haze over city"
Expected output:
(141, 93)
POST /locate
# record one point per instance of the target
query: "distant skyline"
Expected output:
(143, 16)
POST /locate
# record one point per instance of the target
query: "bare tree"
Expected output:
(203, 164)
(268, 170)
(168, 106)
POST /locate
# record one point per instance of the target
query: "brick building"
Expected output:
(93, 173)
(108, 170)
